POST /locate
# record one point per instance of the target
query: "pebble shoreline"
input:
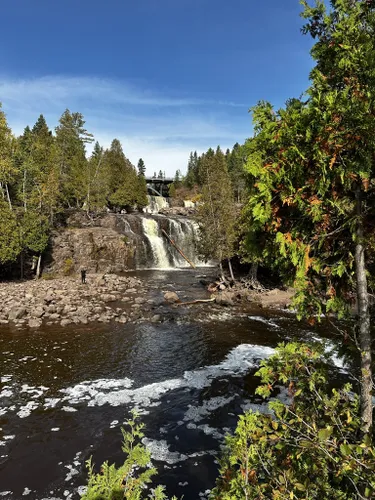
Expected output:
(65, 301)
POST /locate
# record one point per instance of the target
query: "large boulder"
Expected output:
(16, 313)
(171, 297)
(225, 299)
(37, 312)
(35, 323)
(107, 297)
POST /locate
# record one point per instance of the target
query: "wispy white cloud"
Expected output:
(160, 128)
(56, 89)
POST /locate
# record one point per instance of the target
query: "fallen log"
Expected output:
(199, 301)
(177, 248)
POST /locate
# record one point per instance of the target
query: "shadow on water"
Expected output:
(65, 392)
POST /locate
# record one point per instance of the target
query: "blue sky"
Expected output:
(164, 76)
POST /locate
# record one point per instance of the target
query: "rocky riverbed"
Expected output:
(66, 301)
(109, 297)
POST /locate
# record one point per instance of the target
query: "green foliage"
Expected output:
(10, 244)
(141, 167)
(125, 188)
(216, 214)
(131, 478)
(307, 162)
(68, 267)
(308, 448)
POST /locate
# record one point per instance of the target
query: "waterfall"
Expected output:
(155, 204)
(151, 231)
(152, 248)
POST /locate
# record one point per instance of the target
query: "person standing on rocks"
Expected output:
(83, 276)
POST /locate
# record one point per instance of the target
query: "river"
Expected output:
(65, 392)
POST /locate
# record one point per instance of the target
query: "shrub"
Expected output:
(130, 479)
(68, 267)
(309, 448)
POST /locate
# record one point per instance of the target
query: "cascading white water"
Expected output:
(160, 255)
(152, 248)
(155, 204)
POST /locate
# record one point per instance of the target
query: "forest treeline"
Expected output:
(44, 173)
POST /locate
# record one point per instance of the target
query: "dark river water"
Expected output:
(65, 392)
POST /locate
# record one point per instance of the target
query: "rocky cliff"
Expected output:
(96, 245)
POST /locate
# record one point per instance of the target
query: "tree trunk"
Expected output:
(8, 196)
(254, 271)
(21, 264)
(231, 270)
(38, 267)
(24, 190)
(221, 270)
(363, 323)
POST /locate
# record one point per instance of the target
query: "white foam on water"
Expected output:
(196, 413)
(118, 392)
(6, 393)
(211, 431)
(5, 493)
(51, 402)
(205, 494)
(88, 390)
(81, 490)
(69, 409)
(219, 316)
(26, 492)
(160, 451)
(266, 321)
(26, 410)
(55, 429)
(5, 378)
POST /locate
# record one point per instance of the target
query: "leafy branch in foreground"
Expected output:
(130, 479)
(308, 448)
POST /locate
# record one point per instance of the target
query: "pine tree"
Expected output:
(8, 168)
(123, 183)
(97, 181)
(216, 216)
(177, 179)
(141, 167)
(236, 172)
(190, 178)
(71, 138)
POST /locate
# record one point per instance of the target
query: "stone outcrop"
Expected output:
(97, 249)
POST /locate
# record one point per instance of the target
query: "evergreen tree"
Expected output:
(8, 168)
(71, 137)
(177, 179)
(97, 180)
(236, 172)
(190, 178)
(216, 216)
(314, 195)
(141, 167)
(141, 199)
(123, 182)
(10, 245)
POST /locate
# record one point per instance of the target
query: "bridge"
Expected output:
(157, 186)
